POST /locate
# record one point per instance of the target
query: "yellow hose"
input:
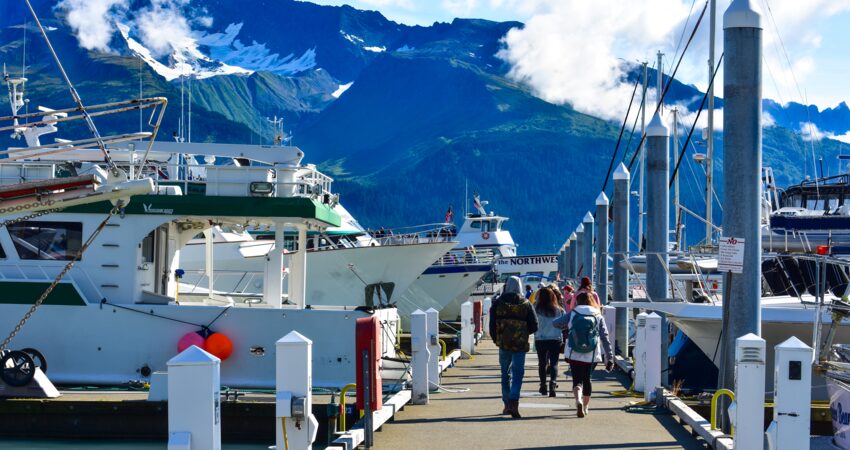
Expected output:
(342, 393)
(285, 437)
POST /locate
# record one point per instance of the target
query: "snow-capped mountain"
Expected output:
(403, 116)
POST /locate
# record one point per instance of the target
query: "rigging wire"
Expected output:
(684, 28)
(694, 125)
(620, 137)
(76, 96)
(673, 76)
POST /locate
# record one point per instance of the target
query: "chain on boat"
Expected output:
(61, 275)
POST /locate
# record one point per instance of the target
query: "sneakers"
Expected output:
(552, 387)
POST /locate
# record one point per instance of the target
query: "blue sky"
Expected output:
(814, 34)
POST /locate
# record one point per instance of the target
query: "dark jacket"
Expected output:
(512, 320)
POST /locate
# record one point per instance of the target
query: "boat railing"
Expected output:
(37, 271)
(467, 256)
(417, 234)
(236, 282)
(32, 126)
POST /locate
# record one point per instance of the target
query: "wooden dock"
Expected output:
(468, 416)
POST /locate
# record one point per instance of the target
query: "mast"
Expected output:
(659, 82)
(677, 210)
(709, 159)
(642, 151)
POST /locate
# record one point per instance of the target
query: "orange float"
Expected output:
(219, 345)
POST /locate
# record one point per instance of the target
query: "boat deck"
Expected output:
(469, 416)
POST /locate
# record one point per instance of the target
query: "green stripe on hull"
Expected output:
(27, 292)
(220, 206)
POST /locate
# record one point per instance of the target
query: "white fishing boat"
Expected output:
(94, 287)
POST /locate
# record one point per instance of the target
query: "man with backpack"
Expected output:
(512, 320)
(587, 345)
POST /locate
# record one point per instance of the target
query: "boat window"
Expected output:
(2, 252)
(475, 224)
(497, 225)
(504, 277)
(533, 277)
(485, 226)
(47, 240)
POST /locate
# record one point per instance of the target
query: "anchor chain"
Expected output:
(26, 217)
(59, 277)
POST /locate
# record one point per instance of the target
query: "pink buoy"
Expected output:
(188, 340)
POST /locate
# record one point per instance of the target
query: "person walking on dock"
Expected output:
(587, 345)
(586, 286)
(512, 320)
(547, 339)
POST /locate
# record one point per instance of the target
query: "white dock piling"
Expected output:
(419, 347)
(295, 426)
(653, 332)
(573, 254)
(602, 248)
(194, 405)
(433, 319)
(620, 292)
(747, 411)
(792, 396)
(467, 329)
(640, 352)
(587, 257)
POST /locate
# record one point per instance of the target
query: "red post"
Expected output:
(368, 338)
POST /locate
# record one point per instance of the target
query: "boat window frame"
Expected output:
(73, 239)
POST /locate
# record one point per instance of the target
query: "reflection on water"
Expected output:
(26, 444)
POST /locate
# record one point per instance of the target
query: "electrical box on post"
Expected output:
(368, 338)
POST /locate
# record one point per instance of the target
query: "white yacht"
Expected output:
(94, 287)
(341, 260)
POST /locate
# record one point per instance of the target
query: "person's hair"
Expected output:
(586, 283)
(546, 302)
(558, 295)
(587, 299)
(527, 287)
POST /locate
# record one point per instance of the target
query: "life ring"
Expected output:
(485, 235)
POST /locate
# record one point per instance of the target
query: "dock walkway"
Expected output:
(471, 419)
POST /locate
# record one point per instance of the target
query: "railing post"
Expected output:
(194, 404)
(419, 346)
(487, 304)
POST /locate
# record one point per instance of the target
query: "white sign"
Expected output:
(731, 255)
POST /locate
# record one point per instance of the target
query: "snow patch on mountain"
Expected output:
(256, 56)
(358, 41)
(187, 61)
(341, 89)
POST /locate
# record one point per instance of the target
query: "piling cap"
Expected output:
(602, 200)
(294, 338)
(588, 218)
(656, 127)
(794, 343)
(622, 172)
(580, 228)
(741, 14)
(193, 356)
(418, 312)
(573, 237)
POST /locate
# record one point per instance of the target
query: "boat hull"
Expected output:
(702, 324)
(110, 345)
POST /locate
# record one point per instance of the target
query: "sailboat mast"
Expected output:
(709, 160)
(642, 157)
(659, 82)
(677, 210)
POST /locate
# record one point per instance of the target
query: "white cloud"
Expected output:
(92, 20)
(810, 132)
(460, 8)
(574, 52)
(163, 27)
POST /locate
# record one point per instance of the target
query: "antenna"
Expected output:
(182, 114)
(190, 107)
(140, 93)
(277, 127)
